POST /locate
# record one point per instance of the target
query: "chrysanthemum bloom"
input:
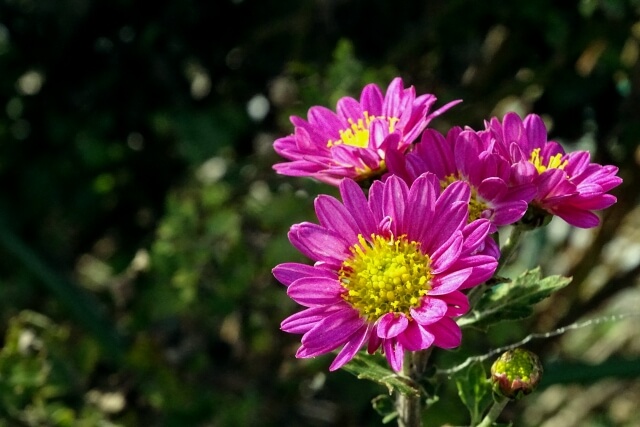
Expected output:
(353, 141)
(568, 184)
(388, 271)
(465, 155)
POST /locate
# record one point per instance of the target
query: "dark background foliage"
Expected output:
(140, 217)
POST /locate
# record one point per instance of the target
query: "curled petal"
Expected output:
(319, 243)
(416, 337)
(391, 325)
(394, 352)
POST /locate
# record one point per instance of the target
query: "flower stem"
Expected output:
(510, 245)
(494, 412)
(409, 407)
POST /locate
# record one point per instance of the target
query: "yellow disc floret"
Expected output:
(385, 275)
(357, 134)
(555, 162)
(476, 203)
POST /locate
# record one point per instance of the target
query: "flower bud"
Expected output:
(516, 373)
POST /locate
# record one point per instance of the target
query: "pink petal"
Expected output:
(394, 352)
(393, 98)
(289, 272)
(597, 202)
(421, 205)
(318, 243)
(444, 108)
(391, 325)
(513, 130)
(436, 153)
(303, 321)
(333, 215)
(356, 203)
(374, 343)
(353, 345)
(350, 156)
(535, 130)
(415, 337)
(446, 221)
(376, 204)
(349, 108)
(325, 119)
(492, 188)
(393, 200)
(447, 333)
(330, 333)
(443, 257)
(378, 132)
(482, 267)
(577, 217)
(457, 303)
(508, 213)
(475, 234)
(397, 165)
(371, 99)
(446, 283)
(577, 162)
(314, 291)
(430, 311)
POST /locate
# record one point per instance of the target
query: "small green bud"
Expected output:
(516, 373)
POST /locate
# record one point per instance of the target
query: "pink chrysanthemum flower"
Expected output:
(353, 141)
(388, 271)
(465, 155)
(568, 185)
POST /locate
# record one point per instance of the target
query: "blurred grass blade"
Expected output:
(82, 307)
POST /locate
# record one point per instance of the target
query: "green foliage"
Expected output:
(111, 112)
(370, 368)
(40, 375)
(513, 300)
(474, 389)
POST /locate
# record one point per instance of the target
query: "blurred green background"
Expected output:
(140, 217)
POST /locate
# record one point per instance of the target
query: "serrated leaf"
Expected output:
(474, 391)
(367, 368)
(513, 300)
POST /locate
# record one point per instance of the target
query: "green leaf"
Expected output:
(475, 391)
(384, 405)
(368, 368)
(513, 300)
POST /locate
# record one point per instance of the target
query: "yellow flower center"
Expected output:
(357, 134)
(555, 162)
(385, 276)
(476, 204)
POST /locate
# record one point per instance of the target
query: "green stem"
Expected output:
(410, 408)
(510, 246)
(494, 412)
